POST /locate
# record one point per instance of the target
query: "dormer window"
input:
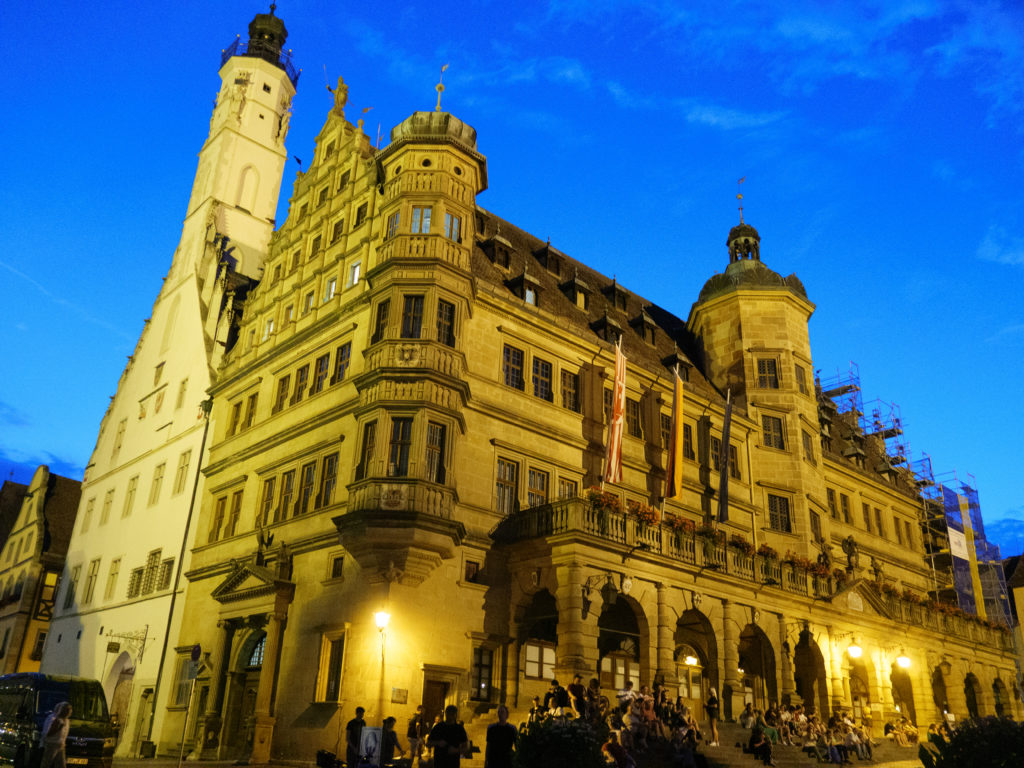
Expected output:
(608, 329)
(549, 258)
(498, 250)
(525, 287)
(644, 327)
(577, 291)
(616, 295)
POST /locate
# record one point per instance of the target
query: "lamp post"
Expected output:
(381, 619)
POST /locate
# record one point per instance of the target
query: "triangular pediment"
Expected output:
(246, 581)
(859, 596)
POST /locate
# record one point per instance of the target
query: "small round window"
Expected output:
(398, 170)
(426, 163)
(458, 171)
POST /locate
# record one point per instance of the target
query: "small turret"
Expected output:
(266, 36)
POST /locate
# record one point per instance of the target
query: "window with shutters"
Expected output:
(151, 571)
(507, 487)
(778, 514)
(436, 434)
(401, 442)
(513, 367)
(767, 373)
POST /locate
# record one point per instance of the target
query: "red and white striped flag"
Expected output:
(674, 466)
(613, 459)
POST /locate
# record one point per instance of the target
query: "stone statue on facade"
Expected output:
(340, 97)
(852, 552)
(876, 568)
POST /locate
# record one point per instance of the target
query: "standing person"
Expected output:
(389, 743)
(416, 732)
(501, 741)
(55, 732)
(353, 735)
(578, 696)
(711, 707)
(448, 739)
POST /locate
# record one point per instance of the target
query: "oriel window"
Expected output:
(435, 452)
(446, 322)
(401, 441)
(412, 317)
(420, 220)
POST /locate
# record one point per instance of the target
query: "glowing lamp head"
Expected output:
(903, 661)
(855, 651)
(691, 661)
(381, 618)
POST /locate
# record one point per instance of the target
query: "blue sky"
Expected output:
(881, 143)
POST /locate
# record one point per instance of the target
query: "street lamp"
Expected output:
(381, 618)
(903, 661)
(855, 651)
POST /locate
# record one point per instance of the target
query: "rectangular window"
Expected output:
(412, 317)
(436, 434)
(401, 441)
(571, 391)
(129, 496)
(471, 572)
(688, 443)
(361, 214)
(315, 249)
(182, 389)
(236, 418)
(154, 487)
(183, 677)
(69, 594)
(540, 661)
(420, 220)
(268, 329)
(108, 503)
(567, 489)
(446, 322)
(844, 505)
(607, 406)
(166, 574)
(480, 674)
(330, 289)
(879, 526)
(289, 314)
(321, 368)
(341, 361)
(353, 273)
(112, 574)
(666, 431)
(513, 367)
(542, 379)
(332, 655)
(453, 227)
(715, 454)
(773, 436)
(833, 508)
(283, 385)
(392, 227)
(767, 373)
(338, 230)
(151, 571)
(897, 529)
(91, 576)
(808, 440)
(801, 380)
(231, 527)
(181, 474)
(219, 508)
(328, 480)
(250, 410)
(343, 181)
(866, 513)
(308, 302)
(816, 525)
(337, 566)
(296, 260)
(537, 488)
(366, 455)
(287, 493)
(301, 377)
(134, 582)
(267, 500)
(307, 475)
(122, 425)
(381, 324)
(322, 198)
(734, 463)
(778, 514)
(507, 487)
(633, 418)
(908, 533)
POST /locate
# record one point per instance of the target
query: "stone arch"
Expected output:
(248, 188)
(757, 665)
(538, 618)
(903, 692)
(694, 638)
(1001, 698)
(973, 694)
(623, 643)
(860, 671)
(809, 674)
(117, 686)
(939, 694)
(240, 712)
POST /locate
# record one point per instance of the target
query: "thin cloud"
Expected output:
(11, 416)
(727, 118)
(1001, 247)
(1007, 334)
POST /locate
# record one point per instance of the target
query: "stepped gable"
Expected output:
(61, 509)
(11, 496)
(671, 335)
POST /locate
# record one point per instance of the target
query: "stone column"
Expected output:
(666, 671)
(731, 694)
(836, 667)
(570, 658)
(954, 690)
(987, 704)
(213, 717)
(787, 684)
(263, 733)
(880, 688)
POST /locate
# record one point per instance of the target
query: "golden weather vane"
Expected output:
(440, 87)
(739, 195)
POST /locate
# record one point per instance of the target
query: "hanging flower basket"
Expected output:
(740, 544)
(679, 524)
(646, 514)
(765, 551)
(603, 501)
(710, 534)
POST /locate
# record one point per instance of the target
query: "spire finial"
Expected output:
(739, 195)
(273, 7)
(440, 87)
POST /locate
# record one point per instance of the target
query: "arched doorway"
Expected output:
(619, 643)
(757, 667)
(903, 693)
(240, 722)
(538, 636)
(939, 691)
(117, 685)
(972, 692)
(696, 657)
(809, 674)
(999, 697)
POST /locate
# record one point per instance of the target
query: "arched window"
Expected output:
(248, 186)
(256, 657)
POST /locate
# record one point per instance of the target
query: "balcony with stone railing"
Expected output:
(431, 246)
(419, 182)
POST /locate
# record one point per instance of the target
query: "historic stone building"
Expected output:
(119, 611)
(405, 428)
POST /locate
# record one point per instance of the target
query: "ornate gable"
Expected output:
(247, 581)
(859, 597)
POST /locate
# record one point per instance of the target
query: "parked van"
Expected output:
(25, 701)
